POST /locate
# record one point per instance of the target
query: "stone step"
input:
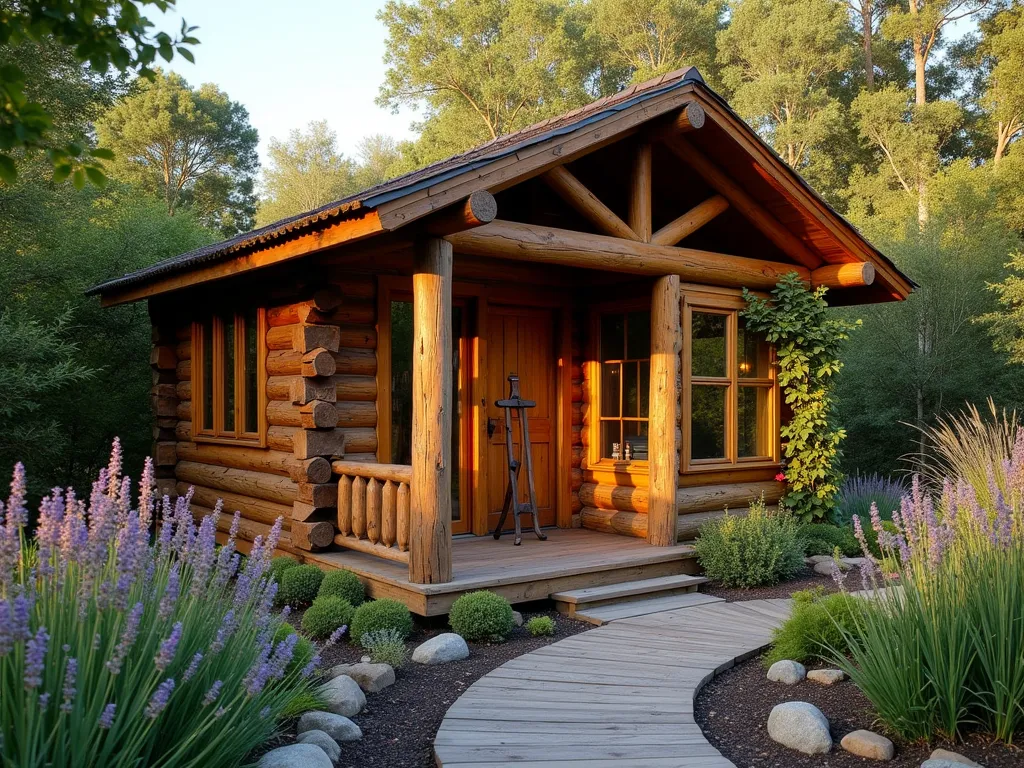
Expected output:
(602, 614)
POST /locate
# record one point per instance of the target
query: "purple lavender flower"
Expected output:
(20, 617)
(6, 628)
(158, 702)
(44, 701)
(16, 512)
(35, 659)
(876, 519)
(114, 467)
(213, 693)
(311, 666)
(265, 713)
(224, 632)
(48, 531)
(106, 720)
(170, 596)
(128, 635)
(867, 574)
(193, 667)
(858, 531)
(204, 554)
(837, 574)
(337, 634)
(168, 648)
(70, 676)
(147, 484)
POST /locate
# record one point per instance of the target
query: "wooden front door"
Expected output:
(521, 340)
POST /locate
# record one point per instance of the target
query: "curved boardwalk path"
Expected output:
(619, 695)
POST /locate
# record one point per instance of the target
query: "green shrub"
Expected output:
(325, 615)
(280, 564)
(541, 626)
(343, 584)
(817, 628)
(385, 646)
(761, 548)
(299, 585)
(304, 649)
(823, 538)
(482, 616)
(380, 614)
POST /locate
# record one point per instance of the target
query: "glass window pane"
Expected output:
(630, 389)
(707, 422)
(645, 388)
(611, 381)
(613, 344)
(638, 335)
(228, 325)
(456, 410)
(611, 440)
(635, 436)
(708, 344)
(752, 421)
(401, 382)
(208, 375)
(251, 406)
(753, 354)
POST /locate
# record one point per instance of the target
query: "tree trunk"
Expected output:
(869, 64)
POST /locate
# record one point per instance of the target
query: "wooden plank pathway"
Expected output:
(617, 696)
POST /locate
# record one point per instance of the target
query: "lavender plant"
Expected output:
(859, 492)
(117, 649)
(944, 652)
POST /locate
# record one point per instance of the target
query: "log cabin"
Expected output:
(340, 369)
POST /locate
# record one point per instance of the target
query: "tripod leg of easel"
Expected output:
(529, 475)
(505, 506)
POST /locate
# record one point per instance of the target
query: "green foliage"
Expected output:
(280, 564)
(482, 615)
(807, 342)
(385, 614)
(344, 584)
(385, 646)
(817, 630)
(541, 626)
(823, 539)
(299, 585)
(759, 548)
(200, 135)
(326, 615)
(304, 649)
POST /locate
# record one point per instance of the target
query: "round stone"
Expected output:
(868, 744)
(370, 677)
(343, 696)
(338, 727)
(787, 672)
(296, 756)
(954, 757)
(322, 740)
(826, 676)
(441, 649)
(800, 726)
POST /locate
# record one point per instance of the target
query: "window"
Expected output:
(228, 377)
(625, 358)
(730, 388)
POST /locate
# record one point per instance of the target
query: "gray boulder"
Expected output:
(441, 649)
(800, 726)
(343, 696)
(868, 744)
(954, 757)
(933, 763)
(370, 677)
(322, 740)
(825, 568)
(787, 672)
(815, 559)
(338, 727)
(517, 618)
(296, 756)
(826, 676)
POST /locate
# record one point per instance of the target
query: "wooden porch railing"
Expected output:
(373, 508)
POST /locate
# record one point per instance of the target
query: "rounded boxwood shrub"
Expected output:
(482, 616)
(280, 564)
(325, 615)
(343, 584)
(541, 626)
(300, 584)
(380, 614)
(823, 538)
(304, 649)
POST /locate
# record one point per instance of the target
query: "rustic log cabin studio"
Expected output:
(341, 369)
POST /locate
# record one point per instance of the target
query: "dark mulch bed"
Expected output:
(400, 722)
(808, 580)
(733, 710)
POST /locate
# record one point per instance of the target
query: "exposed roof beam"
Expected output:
(743, 202)
(548, 245)
(640, 192)
(691, 221)
(851, 275)
(585, 202)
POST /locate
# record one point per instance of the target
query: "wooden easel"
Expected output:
(515, 401)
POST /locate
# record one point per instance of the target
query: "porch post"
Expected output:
(430, 532)
(662, 450)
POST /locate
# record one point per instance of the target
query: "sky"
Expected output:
(291, 62)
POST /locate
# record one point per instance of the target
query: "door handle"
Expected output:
(492, 425)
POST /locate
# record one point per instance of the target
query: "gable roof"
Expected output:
(475, 160)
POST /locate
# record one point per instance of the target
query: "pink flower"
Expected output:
(781, 477)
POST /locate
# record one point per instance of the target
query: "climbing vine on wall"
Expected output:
(807, 341)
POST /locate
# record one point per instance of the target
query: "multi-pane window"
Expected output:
(730, 389)
(228, 379)
(625, 351)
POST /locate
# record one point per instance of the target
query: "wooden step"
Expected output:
(602, 614)
(610, 592)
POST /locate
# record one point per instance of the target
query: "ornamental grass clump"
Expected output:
(943, 653)
(118, 650)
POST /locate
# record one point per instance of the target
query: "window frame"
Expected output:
(216, 432)
(729, 306)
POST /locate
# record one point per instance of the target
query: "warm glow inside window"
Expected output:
(228, 377)
(625, 385)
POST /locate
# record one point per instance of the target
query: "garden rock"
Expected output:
(441, 649)
(337, 727)
(954, 757)
(517, 618)
(343, 696)
(787, 672)
(370, 677)
(296, 756)
(800, 726)
(825, 569)
(933, 763)
(322, 740)
(868, 744)
(826, 676)
(815, 559)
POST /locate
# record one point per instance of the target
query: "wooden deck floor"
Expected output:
(569, 559)
(620, 696)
